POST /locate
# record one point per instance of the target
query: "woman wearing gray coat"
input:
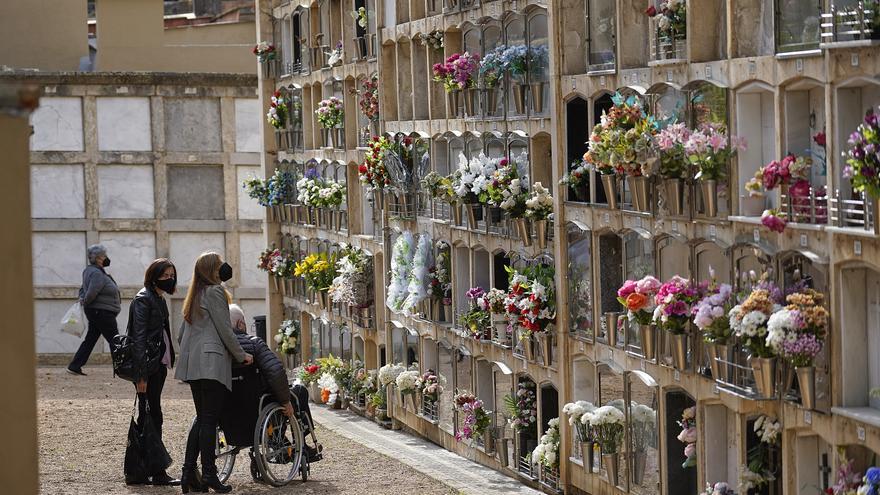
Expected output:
(207, 348)
(100, 300)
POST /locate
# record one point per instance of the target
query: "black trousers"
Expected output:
(208, 397)
(101, 322)
(153, 397)
(301, 393)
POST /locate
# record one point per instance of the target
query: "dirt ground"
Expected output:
(83, 423)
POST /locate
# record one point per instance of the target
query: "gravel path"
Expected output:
(83, 422)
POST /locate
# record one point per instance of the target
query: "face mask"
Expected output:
(106, 262)
(225, 272)
(167, 285)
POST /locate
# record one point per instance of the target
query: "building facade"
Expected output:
(785, 77)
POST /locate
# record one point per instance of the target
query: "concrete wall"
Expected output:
(44, 34)
(18, 410)
(131, 37)
(150, 166)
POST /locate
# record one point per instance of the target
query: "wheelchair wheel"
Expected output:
(278, 446)
(225, 454)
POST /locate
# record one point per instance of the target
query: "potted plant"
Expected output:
(675, 300)
(638, 297)
(539, 208)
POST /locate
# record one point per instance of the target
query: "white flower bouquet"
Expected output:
(407, 382)
(643, 420)
(547, 451)
(287, 337)
(607, 424)
(354, 272)
(388, 373)
(401, 266)
(539, 205)
(471, 180)
(419, 279)
(576, 412)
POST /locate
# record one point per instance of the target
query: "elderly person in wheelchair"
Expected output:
(264, 413)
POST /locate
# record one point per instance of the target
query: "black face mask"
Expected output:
(168, 285)
(225, 272)
(106, 262)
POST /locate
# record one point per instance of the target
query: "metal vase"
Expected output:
(609, 462)
(587, 454)
(764, 372)
(502, 449)
(452, 99)
(611, 328)
(339, 137)
(639, 189)
(472, 213)
(609, 184)
(546, 347)
(456, 213)
(529, 347)
(324, 299)
(447, 313)
(536, 95)
(470, 99)
(674, 196)
(491, 101)
(522, 229)
(806, 376)
(710, 197)
(648, 337)
(276, 283)
(719, 356)
(488, 441)
(639, 461)
(325, 137)
(284, 292)
(519, 98)
(541, 233)
(679, 350)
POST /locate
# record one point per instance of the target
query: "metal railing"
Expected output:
(811, 208)
(550, 477)
(524, 465)
(857, 213)
(401, 204)
(430, 410)
(850, 23)
(736, 374)
(665, 47)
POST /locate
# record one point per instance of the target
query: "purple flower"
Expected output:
(474, 292)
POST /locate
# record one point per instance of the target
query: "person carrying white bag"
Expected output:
(74, 321)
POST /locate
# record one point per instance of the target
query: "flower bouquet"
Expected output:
(440, 287)
(506, 190)
(318, 270)
(360, 16)
(688, 436)
(401, 266)
(470, 183)
(576, 412)
(334, 56)
(279, 188)
(546, 454)
(353, 283)
(674, 165)
(458, 72)
(719, 488)
(431, 385)
(372, 173)
(675, 300)
(309, 373)
(287, 337)
(434, 39)
(492, 68)
(264, 51)
(368, 98)
(522, 408)
(278, 111)
(531, 300)
(407, 384)
(477, 321)
(608, 424)
(863, 156)
(419, 282)
(709, 149)
(638, 297)
(848, 481)
(309, 188)
(758, 471)
(256, 188)
(671, 18)
(539, 209)
(749, 322)
(577, 179)
(476, 419)
(643, 422)
(711, 318)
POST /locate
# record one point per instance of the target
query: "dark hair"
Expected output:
(155, 270)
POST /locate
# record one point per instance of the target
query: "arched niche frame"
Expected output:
(679, 478)
(612, 392)
(301, 42)
(668, 103)
(750, 261)
(643, 438)
(581, 316)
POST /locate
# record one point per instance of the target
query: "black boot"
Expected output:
(190, 481)
(213, 482)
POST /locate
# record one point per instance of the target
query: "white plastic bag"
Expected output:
(74, 322)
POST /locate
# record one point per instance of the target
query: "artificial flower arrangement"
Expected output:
(797, 332)
(492, 301)
(276, 262)
(531, 300)
(278, 111)
(360, 16)
(257, 189)
(774, 219)
(507, 189)
(264, 51)
(287, 337)
(309, 187)
(578, 174)
(709, 148)
(847, 480)
(440, 283)
(643, 420)
(670, 143)
(431, 385)
(330, 112)
(419, 280)
(638, 297)
(749, 321)
(458, 72)
(522, 408)
(719, 488)
(335, 56)
(439, 187)
(401, 267)
(280, 187)
(372, 173)
(539, 204)
(492, 68)
(351, 286)
(477, 321)
(368, 98)
(710, 313)
(671, 18)
(863, 156)
(577, 413)
(388, 374)
(329, 388)
(476, 417)
(309, 373)
(607, 424)
(688, 436)
(621, 142)
(434, 39)
(674, 302)
(792, 171)
(546, 453)
(757, 472)
(472, 178)
(318, 270)
(407, 382)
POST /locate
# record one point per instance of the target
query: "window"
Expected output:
(580, 281)
(797, 25)
(601, 35)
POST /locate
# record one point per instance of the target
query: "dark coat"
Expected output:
(269, 365)
(148, 319)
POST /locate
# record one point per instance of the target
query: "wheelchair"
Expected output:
(252, 418)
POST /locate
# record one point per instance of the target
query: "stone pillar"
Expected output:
(18, 411)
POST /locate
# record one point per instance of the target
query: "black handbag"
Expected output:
(145, 454)
(122, 354)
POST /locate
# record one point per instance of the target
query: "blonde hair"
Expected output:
(205, 273)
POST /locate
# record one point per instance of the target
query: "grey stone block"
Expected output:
(195, 192)
(192, 124)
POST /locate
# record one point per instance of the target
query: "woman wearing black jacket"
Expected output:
(150, 334)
